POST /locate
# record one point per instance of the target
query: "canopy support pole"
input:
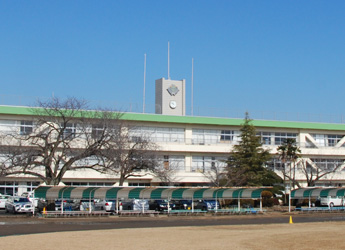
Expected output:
(62, 203)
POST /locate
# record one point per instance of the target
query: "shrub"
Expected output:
(267, 198)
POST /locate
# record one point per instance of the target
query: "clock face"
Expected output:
(173, 104)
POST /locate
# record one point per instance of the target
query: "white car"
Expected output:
(3, 199)
(332, 201)
(17, 204)
(109, 205)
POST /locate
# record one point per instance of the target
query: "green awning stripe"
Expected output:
(341, 192)
(256, 193)
(41, 192)
(178, 193)
(112, 193)
(135, 193)
(89, 193)
(325, 192)
(237, 193)
(198, 194)
(307, 193)
(293, 193)
(65, 192)
(218, 193)
(157, 193)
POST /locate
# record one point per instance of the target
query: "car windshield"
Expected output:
(21, 200)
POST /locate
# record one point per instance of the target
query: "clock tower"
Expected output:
(170, 97)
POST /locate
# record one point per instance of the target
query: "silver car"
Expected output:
(17, 204)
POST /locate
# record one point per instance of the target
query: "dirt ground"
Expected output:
(323, 235)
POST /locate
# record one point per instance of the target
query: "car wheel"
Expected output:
(331, 204)
(14, 211)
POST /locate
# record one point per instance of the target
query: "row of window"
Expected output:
(199, 163)
(323, 164)
(12, 187)
(327, 140)
(199, 136)
(92, 184)
(205, 164)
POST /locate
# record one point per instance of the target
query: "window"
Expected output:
(166, 162)
(265, 137)
(327, 140)
(69, 131)
(88, 161)
(97, 131)
(226, 135)
(173, 162)
(279, 138)
(327, 164)
(9, 187)
(206, 163)
(26, 127)
(138, 184)
(275, 165)
(8, 126)
(204, 136)
(93, 184)
(158, 134)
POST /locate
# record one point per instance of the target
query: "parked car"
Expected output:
(3, 199)
(162, 205)
(135, 204)
(38, 203)
(68, 205)
(84, 205)
(332, 201)
(17, 204)
(211, 204)
(110, 205)
(198, 204)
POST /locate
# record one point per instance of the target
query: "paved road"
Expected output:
(22, 224)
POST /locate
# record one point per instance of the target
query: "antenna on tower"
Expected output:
(168, 60)
(144, 82)
(192, 86)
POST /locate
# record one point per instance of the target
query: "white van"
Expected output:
(3, 199)
(332, 201)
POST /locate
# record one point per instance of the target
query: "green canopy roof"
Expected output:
(68, 192)
(316, 192)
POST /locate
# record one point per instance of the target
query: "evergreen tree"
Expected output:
(246, 164)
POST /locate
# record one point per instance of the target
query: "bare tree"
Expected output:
(166, 170)
(128, 154)
(217, 174)
(289, 153)
(314, 173)
(60, 139)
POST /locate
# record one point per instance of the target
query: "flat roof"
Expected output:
(197, 120)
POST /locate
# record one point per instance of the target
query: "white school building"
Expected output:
(193, 145)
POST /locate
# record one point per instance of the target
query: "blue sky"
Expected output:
(256, 56)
